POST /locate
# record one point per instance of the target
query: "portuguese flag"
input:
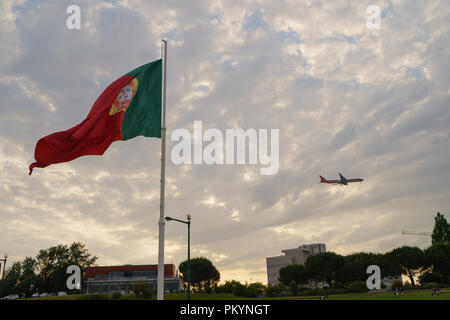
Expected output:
(128, 107)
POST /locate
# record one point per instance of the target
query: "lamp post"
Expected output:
(188, 222)
(4, 265)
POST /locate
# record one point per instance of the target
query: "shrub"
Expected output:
(116, 295)
(408, 286)
(258, 286)
(94, 296)
(321, 292)
(357, 287)
(429, 277)
(208, 289)
(335, 291)
(312, 292)
(251, 292)
(428, 285)
(148, 293)
(227, 287)
(274, 291)
(396, 284)
(143, 290)
(138, 288)
(239, 289)
(293, 286)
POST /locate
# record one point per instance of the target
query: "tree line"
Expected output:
(349, 272)
(429, 265)
(47, 271)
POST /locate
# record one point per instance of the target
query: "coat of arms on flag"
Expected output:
(124, 98)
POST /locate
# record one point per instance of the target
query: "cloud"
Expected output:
(367, 103)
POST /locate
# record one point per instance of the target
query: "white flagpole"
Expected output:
(160, 284)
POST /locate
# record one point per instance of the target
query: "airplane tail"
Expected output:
(322, 179)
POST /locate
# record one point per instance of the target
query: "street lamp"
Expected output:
(4, 265)
(188, 222)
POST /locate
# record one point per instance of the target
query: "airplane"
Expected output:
(343, 181)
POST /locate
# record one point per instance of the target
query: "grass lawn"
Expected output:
(167, 296)
(204, 296)
(388, 295)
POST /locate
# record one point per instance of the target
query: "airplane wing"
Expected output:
(343, 179)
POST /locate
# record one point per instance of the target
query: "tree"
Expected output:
(228, 287)
(46, 272)
(20, 278)
(325, 266)
(28, 278)
(10, 282)
(355, 266)
(52, 264)
(408, 260)
(388, 267)
(253, 290)
(441, 230)
(294, 275)
(203, 273)
(439, 257)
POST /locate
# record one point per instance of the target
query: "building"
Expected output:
(291, 256)
(122, 278)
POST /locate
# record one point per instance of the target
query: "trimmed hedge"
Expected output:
(94, 296)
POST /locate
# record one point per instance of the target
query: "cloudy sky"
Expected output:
(370, 103)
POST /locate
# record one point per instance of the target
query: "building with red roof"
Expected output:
(104, 279)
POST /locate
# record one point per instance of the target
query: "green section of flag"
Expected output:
(143, 116)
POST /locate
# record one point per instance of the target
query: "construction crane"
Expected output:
(417, 233)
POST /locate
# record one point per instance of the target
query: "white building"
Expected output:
(291, 256)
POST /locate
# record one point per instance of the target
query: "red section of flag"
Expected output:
(91, 137)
